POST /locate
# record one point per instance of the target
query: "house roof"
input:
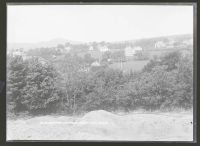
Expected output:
(95, 63)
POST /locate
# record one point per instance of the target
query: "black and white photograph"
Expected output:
(117, 72)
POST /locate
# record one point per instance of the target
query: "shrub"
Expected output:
(30, 85)
(40, 93)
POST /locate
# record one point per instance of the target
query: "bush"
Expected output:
(40, 92)
(31, 85)
(169, 78)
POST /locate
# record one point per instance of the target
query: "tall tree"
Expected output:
(16, 81)
(40, 92)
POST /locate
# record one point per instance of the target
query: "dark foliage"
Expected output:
(165, 83)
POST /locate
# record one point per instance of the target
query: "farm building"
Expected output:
(129, 51)
(54, 56)
(42, 60)
(63, 50)
(67, 49)
(18, 52)
(160, 44)
(96, 63)
(91, 48)
(103, 48)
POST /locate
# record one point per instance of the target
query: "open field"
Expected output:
(102, 125)
(133, 65)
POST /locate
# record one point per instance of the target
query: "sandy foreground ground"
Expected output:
(103, 125)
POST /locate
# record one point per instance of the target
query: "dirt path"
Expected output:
(102, 125)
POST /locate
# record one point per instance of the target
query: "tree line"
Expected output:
(36, 87)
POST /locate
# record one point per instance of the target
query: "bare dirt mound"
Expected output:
(97, 125)
(99, 116)
(103, 125)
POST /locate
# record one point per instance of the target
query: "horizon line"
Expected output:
(87, 42)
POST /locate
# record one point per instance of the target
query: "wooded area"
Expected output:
(35, 87)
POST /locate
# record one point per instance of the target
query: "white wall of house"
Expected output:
(159, 44)
(103, 48)
(91, 48)
(129, 51)
(96, 63)
(137, 48)
(67, 49)
(18, 52)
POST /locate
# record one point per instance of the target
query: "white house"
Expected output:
(85, 69)
(42, 60)
(54, 56)
(64, 49)
(129, 51)
(96, 63)
(19, 52)
(67, 49)
(137, 48)
(8, 52)
(91, 48)
(103, 48)
(159, 44)
(26, 57)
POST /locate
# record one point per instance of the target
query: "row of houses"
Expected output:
(129, 51)
(171, 44)
(17, 52)
(21, 52)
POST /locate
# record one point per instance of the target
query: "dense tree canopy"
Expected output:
(71, 86)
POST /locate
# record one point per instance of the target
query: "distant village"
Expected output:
(107, 52)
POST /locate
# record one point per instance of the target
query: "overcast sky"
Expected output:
(35, 23)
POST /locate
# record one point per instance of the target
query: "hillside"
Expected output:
(167, 42)
(50, 43)
(56, 49)
(146, 43)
